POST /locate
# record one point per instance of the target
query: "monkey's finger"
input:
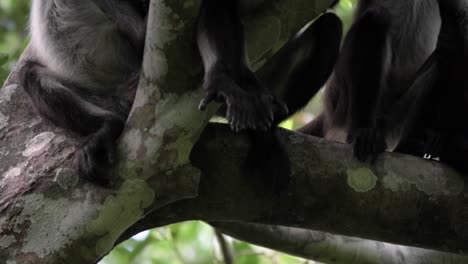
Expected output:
(210, 97)
(233, 114)
(235, 124)
(244, 120)
(263, 118)
(229, 110)
(282, 108)
(269, 106)
(250, 121)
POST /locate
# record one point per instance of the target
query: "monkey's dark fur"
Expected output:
(87, 53)
(436, 116)
(298, 71)
(401, 82)
(380, 58)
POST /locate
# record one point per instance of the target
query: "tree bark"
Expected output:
(401, 199)
(48, 214)
(327, 248)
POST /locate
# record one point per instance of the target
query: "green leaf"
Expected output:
(3, 59)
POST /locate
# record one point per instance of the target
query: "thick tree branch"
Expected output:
(47, 214)
(328, 248)
(402, 199)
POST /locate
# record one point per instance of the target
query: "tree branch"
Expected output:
(225, 249)
(328, 248)
(47, 214)
(402, 199)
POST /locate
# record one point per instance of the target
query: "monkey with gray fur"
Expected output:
(85, 55)
(435, 116)
(380, 58)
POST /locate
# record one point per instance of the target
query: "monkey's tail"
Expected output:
(295, 74)
(268, 161)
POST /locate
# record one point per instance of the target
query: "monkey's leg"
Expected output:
(362, 72)
(452, 50)
(228, 78)
(298, 71)
(409, 116)
(428, 110)
(55, 99)
(309, 60)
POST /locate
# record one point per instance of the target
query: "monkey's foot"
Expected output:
(433, 145)
(368, 143)
(250, 107)
(94, 159)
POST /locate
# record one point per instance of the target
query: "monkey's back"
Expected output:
(83, 41)
(387, 64)
(415, 25)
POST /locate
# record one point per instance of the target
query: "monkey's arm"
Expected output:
(407, 118)
(442, 122)
(307, 62)
(446, 83)
(128, 16)
(359, 81)
(228, 78)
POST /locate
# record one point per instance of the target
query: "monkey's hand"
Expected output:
(248, 104)
(95, 157)
(367, 143)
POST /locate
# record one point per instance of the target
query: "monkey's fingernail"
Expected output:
(202, 106)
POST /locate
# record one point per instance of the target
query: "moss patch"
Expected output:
(361, 179)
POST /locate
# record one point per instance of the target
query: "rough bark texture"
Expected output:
(402, 199)
(49, 215)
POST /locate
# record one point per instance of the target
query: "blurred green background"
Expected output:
(184, 243)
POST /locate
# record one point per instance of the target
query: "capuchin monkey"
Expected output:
(435, 117)
(86, 54)
(380, 58)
